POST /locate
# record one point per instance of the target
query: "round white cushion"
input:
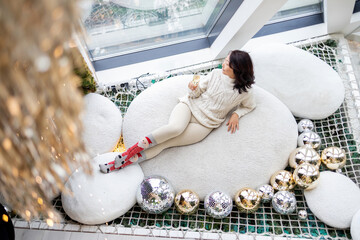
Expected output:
(355, 226)
(222, 161)
(335, 200)
(102, 123)
(100, 198)
(306, 84)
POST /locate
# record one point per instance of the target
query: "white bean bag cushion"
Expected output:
(102, 123)
(222, 161)
(335, 200)
(306, 84)
(355, 226)
(101, 197)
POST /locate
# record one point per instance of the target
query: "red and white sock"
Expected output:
(120, 163)
(144, 143)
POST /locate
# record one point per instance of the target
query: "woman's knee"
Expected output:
(174, 131)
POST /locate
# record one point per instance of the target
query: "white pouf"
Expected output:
(335, 200)
(101, 197)
(102, 122)
(222, 161)
(307, 85)
(355, 226)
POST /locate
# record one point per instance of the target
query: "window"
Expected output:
(296, 9)
(292, 15)
(119, 27)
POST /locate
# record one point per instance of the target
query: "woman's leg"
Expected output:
(178, 121)
(195, 132)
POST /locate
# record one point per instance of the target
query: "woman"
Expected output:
(204, 108)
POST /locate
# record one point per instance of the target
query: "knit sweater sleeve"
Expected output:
(246, 106)
(203, 84)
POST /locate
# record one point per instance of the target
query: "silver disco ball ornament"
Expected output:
(304, 154)
(305, 125)
(266, 193)
(310, 139)
(302, 215)
(218, 204)
(284, 202)
(155, 194)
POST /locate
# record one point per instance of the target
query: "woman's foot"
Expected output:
(118, 163)
(107, 167)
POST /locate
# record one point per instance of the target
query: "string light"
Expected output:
(50, 222)
(5, 218)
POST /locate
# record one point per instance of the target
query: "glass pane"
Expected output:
(118, 27)
(295, 8)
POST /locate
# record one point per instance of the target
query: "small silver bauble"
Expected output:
(218, 204)
(155, 194)
(305, 125)
(302, 215)
(304, 154)
(266, 193)
(306, 176)
(309, 138)
(284, 202)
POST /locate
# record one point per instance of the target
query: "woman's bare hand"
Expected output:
(192, 86)
(233, 123)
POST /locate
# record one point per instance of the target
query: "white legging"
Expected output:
(182, 129)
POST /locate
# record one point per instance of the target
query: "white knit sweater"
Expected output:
(215, 97)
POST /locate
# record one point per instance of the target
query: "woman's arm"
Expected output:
(246, 106)
(196, 91)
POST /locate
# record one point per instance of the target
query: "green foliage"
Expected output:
(331, 43)
(88, 84)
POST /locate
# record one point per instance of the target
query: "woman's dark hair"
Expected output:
(240, 62)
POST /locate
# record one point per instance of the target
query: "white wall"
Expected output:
(338, 14)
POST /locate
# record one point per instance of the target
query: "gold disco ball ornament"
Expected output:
(304, 154)
(310, 139)
(247, 200)
(306, 176)
(333, 157)
(282, 180)
(187, 202)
